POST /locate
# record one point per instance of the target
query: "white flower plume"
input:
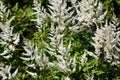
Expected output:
(6, 74)
(39, 13)
(88, 12)
(106, 39)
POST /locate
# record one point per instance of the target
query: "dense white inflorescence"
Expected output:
(105, 40)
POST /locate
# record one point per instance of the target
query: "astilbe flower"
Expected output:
(29, 49)
(59, 13)
(29, 56)
(88, 12)
(67, 78)
(5, 72)
(4, 12)
(56, 48)
(105, 40)
(43, 61)
(33, 59)
(91, 11)
(39, 12)
(8, 38)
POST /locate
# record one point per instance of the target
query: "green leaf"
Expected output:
(97, 72)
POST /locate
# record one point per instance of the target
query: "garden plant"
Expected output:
(59, 39)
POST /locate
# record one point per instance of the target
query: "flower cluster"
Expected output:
(106, 39)
(56, 47)
(39, 13)
(5, 72)
(88, 12)
(4, 13)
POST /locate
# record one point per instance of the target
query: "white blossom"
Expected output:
(4, 13)
(63, 56)
(59, 13)
(67, 78)
(6, 54)
(32, 74)
(88, 12)
(83, 59)
(8, 39)
(43, 61)
(39, 14)
(29, 51)
(106, 38)
(6, 74)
